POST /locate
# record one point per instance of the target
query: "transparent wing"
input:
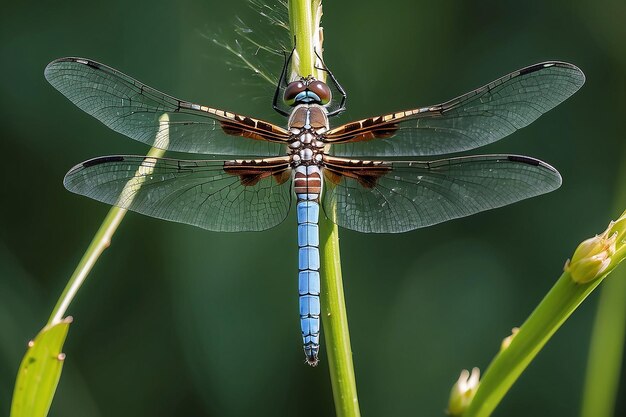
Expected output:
(133, 109)
(226, 196)
(475, 119)
(393, 197)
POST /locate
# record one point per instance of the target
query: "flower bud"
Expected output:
(592, 257)
(463, 392)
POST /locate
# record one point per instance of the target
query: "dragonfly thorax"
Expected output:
(307, 124)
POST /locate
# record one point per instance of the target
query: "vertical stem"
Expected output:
(303, 20)
(335, 321)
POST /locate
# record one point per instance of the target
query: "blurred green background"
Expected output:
(172, 322)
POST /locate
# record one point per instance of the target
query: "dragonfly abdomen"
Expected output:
(308, 187)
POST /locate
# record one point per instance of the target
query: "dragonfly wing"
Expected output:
(215, 195)
(472, 120)
(133, 109)
(394, 197)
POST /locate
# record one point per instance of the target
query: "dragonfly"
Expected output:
(374, 175)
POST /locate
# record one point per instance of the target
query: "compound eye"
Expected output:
(293, 89)
(322, 91)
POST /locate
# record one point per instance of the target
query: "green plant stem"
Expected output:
(99, 243)
(545, 320)
(302, 15)
(335, 321)
(301, 22)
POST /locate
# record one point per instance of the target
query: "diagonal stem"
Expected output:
(100, 241)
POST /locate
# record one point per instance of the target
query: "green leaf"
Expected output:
(39, 372)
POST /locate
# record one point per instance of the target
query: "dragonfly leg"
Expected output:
(342, 92)
(282, 83)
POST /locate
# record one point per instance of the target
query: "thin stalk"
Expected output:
(508, 365)
(100, 241)
(39, 375)
(304, 21)
(335, 321)
(302, 24)
(591, 262)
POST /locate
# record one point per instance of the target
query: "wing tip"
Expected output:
(579, 74)
(76, 59)
(538, 163)
(88, 164)
(49, 70)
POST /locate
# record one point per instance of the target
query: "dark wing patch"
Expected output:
(366, 173)
(136, 110)
(393, 197)
(475, 119)
(252, 171)
(214, 195)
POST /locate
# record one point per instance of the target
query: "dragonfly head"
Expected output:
(307, 91)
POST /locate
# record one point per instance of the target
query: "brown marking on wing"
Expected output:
(332, 176)
(366, 173)
(250, 172)
(379, 127)
(254, 129)
(238, 130)
(282, 176)
(237, 125)
(385, 131)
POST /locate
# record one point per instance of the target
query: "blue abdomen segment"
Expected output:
(309, 277)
